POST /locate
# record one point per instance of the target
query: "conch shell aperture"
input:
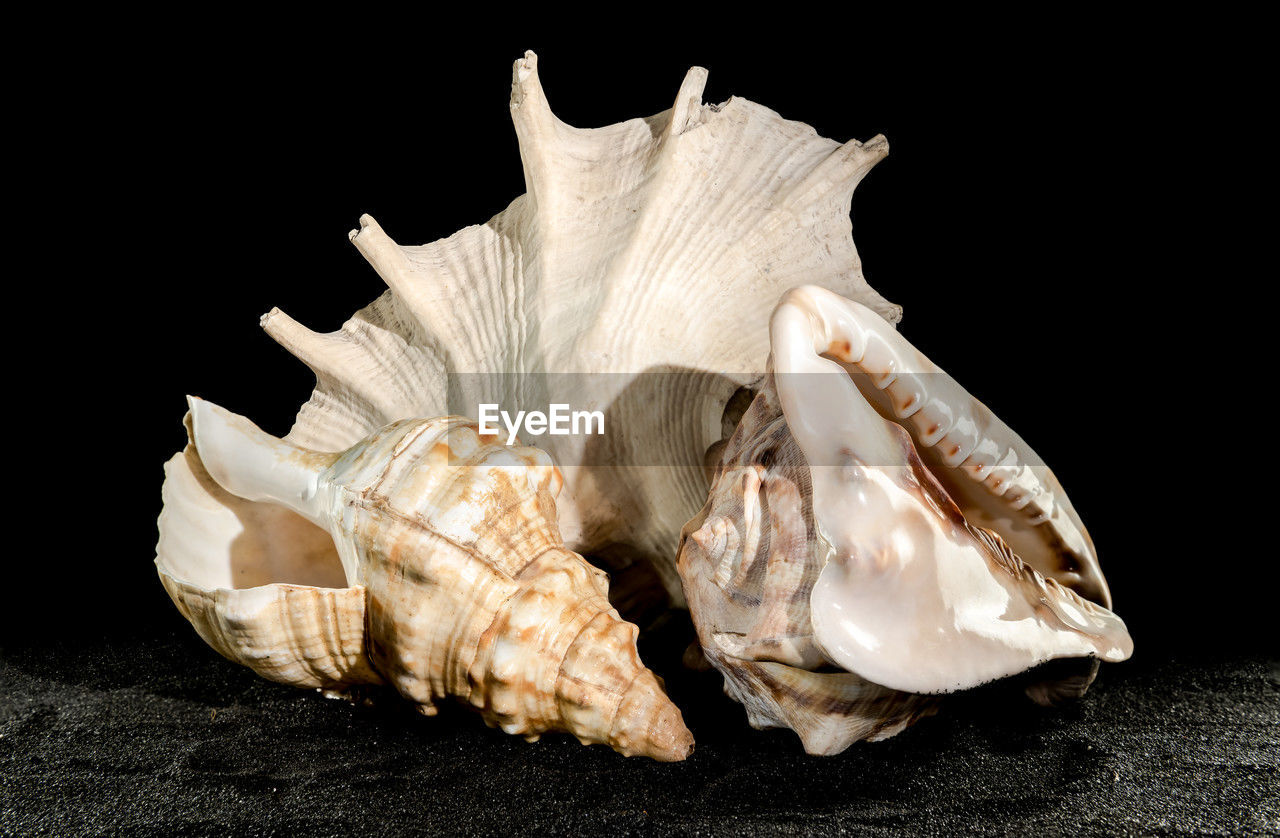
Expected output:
(828, 541)
(455, 580)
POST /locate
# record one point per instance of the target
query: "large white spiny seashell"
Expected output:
(656, 245)
(426, 556)
(863, 516)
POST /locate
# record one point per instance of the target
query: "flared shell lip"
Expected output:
(160, 569)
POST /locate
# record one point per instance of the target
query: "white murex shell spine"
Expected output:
(871, 517)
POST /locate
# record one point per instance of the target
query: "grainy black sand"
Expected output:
(129, 736)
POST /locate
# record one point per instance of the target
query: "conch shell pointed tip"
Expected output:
(649, 724)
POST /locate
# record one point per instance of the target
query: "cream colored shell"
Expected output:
(635, 277)
(426, 557)
(862, 518)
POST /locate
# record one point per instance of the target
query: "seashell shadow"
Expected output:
(635, 584)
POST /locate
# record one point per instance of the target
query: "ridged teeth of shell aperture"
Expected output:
(920, 591)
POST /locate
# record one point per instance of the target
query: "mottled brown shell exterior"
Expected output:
(533, 642)
(457, 583)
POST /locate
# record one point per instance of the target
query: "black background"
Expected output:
(1063, 216)
(1040, 218)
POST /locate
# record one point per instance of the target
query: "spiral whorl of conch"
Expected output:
(748, 561)
(450, 546)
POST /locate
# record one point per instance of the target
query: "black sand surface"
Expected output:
(135, 736)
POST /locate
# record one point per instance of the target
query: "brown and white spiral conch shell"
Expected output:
(876, 536)
(426, 557)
